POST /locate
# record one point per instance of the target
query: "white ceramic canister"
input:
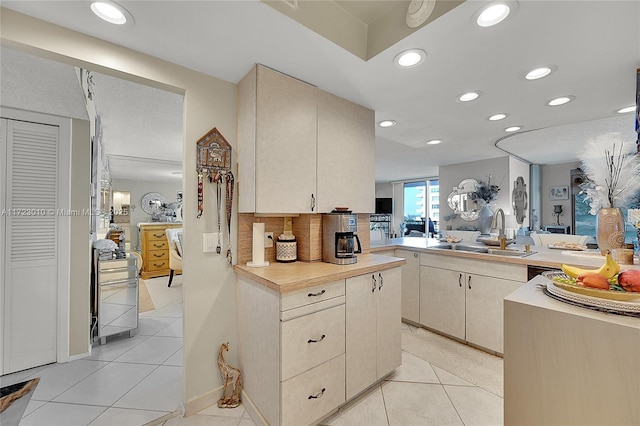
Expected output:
(286, 248)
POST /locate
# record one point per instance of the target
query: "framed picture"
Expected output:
(559, 193)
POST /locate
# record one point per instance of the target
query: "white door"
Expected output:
(29, 314)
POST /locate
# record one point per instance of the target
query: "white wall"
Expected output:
(451, 175)
(209, 291)
(556, 175)
(138, 188)
(384, 190)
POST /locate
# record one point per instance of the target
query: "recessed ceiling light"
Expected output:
(627, 109)
(538, 73)
(561, 100)
(410, 58)
(111, 12)
(434, 142)
(469, 96)
(493, 14)
(387, 123)
(496, 117)
(513, 129)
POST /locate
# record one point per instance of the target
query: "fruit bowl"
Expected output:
(565, 282)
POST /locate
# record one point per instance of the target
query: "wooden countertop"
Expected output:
(286, 277)
(543, 256)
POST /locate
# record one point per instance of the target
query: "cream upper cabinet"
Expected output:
(300, 149)
(346, 155)
(277, 126)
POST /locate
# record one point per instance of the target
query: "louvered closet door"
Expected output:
(30, 275)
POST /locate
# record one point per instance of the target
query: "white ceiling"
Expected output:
(594, 44)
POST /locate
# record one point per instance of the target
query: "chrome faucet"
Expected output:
(501, 234)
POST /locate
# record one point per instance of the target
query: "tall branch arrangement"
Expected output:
(613, 174)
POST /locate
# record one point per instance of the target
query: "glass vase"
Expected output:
(609, 229)
(485, 218)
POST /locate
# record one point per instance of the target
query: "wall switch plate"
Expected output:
(209, 242)
(268, 239)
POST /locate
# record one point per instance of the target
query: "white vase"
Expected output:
(485, 218)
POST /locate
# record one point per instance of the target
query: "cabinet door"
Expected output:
(410, 285)
(346, 155)
(442, 300)
(277, 134)
(388, 300)
(361, 342)
(484, 310)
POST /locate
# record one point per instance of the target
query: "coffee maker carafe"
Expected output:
(339, 238)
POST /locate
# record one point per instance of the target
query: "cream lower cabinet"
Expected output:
(373, 346)
(463, 298)
(291, 352)
(410, 285)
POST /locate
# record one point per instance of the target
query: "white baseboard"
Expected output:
(79, 356)
(201, 402)
(253, 412)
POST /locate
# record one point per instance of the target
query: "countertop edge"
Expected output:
(288, 277)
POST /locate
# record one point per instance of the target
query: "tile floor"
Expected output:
(128, 381)
(137, 381)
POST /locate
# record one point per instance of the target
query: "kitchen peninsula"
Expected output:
(563, 364)
(320, 333)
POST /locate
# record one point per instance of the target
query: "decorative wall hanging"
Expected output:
(214, 161)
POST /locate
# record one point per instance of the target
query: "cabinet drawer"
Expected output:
(155, 235)
(311, 295)
(154, 255)
(311, 340)
(158, 245)
(311, 395)
(156, 265)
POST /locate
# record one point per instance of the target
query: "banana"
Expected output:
(608, 270)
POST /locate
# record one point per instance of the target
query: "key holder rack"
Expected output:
(214, 155)
(214, 161)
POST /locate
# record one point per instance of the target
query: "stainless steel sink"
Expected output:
(488, 250)
(510, 252)
(464, 247)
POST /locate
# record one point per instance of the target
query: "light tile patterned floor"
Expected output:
(128, 381)
(138, 380)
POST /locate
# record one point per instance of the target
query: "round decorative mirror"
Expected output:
(461, 201)
(519, 199)
(152, 202)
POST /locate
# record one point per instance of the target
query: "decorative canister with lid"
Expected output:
(286, 248)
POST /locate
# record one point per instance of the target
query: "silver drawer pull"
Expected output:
(381, 280)
(318, 395)
(320, 293)
(317, 340)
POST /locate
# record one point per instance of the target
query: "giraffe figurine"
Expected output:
(232, 386)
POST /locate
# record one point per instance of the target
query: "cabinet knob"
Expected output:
(318, 395)
(415, 254)
(317, 340)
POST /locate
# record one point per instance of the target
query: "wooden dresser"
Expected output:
(155, 249)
